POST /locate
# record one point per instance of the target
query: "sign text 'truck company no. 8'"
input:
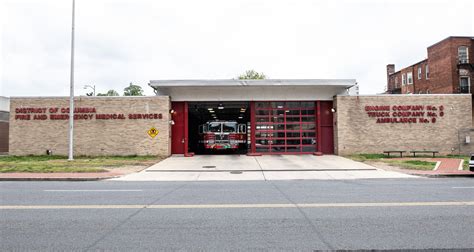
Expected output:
(405, 113)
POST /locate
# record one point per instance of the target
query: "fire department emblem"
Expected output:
(153, 132)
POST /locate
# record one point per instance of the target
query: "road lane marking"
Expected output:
(109, 190)
(223, 206)
(463, 187)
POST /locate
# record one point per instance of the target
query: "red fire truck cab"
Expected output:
(222, 135)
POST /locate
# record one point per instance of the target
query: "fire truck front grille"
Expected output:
(221, 138)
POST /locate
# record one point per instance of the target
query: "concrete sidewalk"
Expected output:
(445, 167)
(269, 167)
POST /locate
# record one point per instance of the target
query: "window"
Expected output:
(396, 81)
(230, 127)
(215, 127)
(464, 86)
(410, 78)
(427, 72)
(404, 80)
(463, 54)
(419, 73)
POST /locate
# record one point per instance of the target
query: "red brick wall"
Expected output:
(422, 85)
(394, 82)
(440, 64)
(455, 44)
(443, 67)
(442, 58)
(407, 88)
(391, 85)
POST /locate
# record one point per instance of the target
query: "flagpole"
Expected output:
(71, 92)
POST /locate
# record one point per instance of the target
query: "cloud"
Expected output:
(118, 42)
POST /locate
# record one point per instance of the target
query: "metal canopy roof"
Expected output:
(347, 83)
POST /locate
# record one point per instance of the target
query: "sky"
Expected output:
(123, 41)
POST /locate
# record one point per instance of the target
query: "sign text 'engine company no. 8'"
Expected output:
(405, 113)
(89, 113)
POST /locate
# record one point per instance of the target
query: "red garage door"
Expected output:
(285, 127)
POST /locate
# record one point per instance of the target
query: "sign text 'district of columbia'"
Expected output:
(80, 113)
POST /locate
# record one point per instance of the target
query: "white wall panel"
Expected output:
(252, 93)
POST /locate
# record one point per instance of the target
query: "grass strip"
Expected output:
(49, 164)
(406, 164)
(412, 164)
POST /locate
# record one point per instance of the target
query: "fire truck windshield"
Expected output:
(215, 127)
(229, 127)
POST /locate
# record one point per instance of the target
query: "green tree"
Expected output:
(111, 92)
(133, 90)
(252, 75)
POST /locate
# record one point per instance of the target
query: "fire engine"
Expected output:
(222, 135)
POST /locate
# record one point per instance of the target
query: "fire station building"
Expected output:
(313, 116)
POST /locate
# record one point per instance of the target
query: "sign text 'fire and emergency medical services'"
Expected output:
(88, 113)
(405, 113)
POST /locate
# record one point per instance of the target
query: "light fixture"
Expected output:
(171, 122)
(333, 110)
(279, 106)
(172, 111)
(287, 111)
(209, 109)
(220, 106)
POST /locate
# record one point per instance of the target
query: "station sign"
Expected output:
(80, 113)
(409, 114)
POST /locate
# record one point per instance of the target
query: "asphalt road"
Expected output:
(260, 215)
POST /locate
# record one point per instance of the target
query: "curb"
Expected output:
(443, 175)
(57, 179)
(266, 170)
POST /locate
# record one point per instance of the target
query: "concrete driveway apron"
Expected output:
(267, 167)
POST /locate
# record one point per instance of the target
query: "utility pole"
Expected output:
(71, 92)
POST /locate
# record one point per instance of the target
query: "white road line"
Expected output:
(109, 190)
(463, 187)
(221, 206)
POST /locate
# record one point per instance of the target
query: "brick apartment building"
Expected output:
(448, 69)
